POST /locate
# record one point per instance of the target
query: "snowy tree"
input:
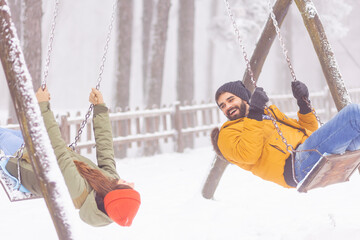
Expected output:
(31, 38)
(185, 61)
(210, 59)
(123, 63)
(250, 16)
(123, 46)
(148, 6)
(185, 53)
(333, 13)
(155, 64)
(156, 56)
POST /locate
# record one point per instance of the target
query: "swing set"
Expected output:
(12, 186)
(330, 169)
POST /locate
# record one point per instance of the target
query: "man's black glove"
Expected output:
(300, 91)
(258, 101)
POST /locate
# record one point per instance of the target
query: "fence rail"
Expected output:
(150, 131)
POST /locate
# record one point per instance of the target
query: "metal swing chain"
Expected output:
(18, 156)
(285, 52)
(87, 116)
(49, 49)
(239, 39)
(289, 147)
(307, 100)
(281, 40)
(237, 32)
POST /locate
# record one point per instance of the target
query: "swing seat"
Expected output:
(12, 192)
(11, 185)
(331, 169)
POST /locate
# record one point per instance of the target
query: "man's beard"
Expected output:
(241, 114)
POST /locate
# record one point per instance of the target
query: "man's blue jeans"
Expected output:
(10, 142)
(340, 134)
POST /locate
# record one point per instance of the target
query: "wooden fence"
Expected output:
(136, 129)
(151, 131)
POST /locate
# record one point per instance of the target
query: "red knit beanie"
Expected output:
(122, 205)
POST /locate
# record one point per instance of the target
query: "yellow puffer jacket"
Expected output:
(257, 147)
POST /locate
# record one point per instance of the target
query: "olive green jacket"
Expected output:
(81, 192)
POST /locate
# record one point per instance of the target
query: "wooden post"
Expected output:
(65, 128)
(138, 127)
(324, 52)
(32, 125)
(213, 179)
(266, 39)
(164, 124)
(121, 129)
(178, 128)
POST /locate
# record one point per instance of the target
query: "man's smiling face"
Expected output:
(232, 106)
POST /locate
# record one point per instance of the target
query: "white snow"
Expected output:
(310, 10)
(244, 206)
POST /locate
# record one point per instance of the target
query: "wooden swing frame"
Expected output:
(335, 163)
(6, 181)
(20, 83)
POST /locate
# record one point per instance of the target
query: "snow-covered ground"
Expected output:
(244, 207)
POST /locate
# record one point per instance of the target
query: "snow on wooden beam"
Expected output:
(324, 52)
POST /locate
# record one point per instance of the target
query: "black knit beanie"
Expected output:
(237, 88)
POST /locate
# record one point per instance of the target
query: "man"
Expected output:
(250, 140)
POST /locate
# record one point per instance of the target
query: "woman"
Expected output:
(96, 189)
